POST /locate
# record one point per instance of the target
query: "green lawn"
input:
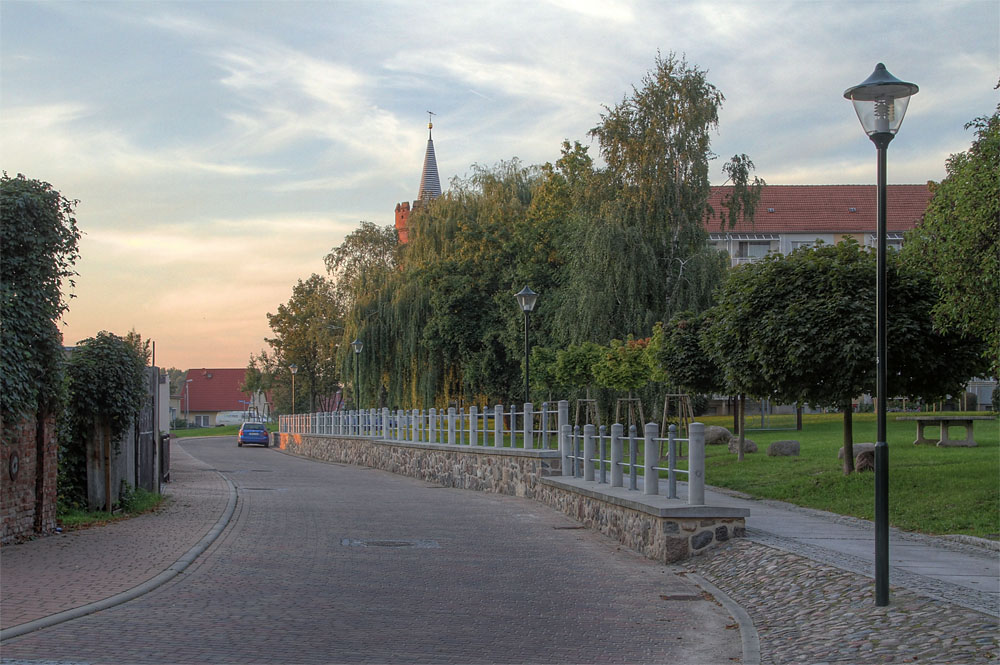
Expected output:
(931, 490)
(225, 430)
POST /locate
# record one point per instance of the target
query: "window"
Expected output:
(754, 250)
(201, 421)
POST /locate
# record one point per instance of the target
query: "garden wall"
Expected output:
(28, 491)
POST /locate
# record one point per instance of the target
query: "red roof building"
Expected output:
(791, 216)
(212, 397)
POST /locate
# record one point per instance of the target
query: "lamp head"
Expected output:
(880, 101)
(294, 368)
(357, 345)
(526, 299)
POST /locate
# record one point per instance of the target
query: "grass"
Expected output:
(141, 501)
(931, 490)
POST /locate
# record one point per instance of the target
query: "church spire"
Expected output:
(430, 183)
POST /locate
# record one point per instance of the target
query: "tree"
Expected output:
(38, 245)
(355, 265)
(106, 385)
(676, 356)
(959, 240)
(640, 233)
(305, 334)
(800, 327)
(623, 366)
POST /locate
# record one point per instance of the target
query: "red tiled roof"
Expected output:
(826, 209)
(215, 389)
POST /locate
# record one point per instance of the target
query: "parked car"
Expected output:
(253, 433)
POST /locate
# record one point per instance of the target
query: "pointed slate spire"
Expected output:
(430, 183)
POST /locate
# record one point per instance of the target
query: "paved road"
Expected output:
(328, 563)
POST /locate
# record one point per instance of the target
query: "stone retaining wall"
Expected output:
(662, 529)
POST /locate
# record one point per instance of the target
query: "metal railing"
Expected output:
(495, 426)
(592, 454)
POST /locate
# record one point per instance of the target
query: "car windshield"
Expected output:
(253, 426)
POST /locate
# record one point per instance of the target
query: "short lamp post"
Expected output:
(880, 102)
(526, 299)
(294, 369)
(357, 345)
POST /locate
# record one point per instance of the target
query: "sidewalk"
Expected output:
(61, 573)
(939, 567)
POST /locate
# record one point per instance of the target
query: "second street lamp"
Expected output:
(526, 299)
(293, 368)
(880, 102)
(357, 345)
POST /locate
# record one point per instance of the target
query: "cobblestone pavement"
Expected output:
(811, 612)
(326, 563)
(89, 565)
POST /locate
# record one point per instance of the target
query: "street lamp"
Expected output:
(526, 301)
(187, 396)
(880, 102)
(357, 345)
(294, 370)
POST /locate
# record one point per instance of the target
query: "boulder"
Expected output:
(783, 449)
(717, 436)
(748, 445)
(865, 461)
(858, 448)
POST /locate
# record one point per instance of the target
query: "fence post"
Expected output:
(544, 427)
(451, 425)
(562, 418)
(498, 426)
(651, 478)
(565, 436)
(603, 448)
(672, 462)
(529, 424)
(696, 464)
(473, 426)
(588, 452)
(616, 455)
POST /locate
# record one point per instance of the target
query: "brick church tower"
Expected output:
(430, 188)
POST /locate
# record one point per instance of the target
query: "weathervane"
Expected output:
(430, 123)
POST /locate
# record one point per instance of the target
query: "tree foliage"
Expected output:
(38, 245)
(640, 249)
(307, 330)
(959, 240)
(801, 327)
(676, 357)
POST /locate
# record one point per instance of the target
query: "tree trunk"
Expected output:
(743, 422)
(848, 439)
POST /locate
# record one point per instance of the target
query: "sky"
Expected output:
(219, 150)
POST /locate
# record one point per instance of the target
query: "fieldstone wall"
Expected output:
(510, 471)
(29, 484)
(665, 530)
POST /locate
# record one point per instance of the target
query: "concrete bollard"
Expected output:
(616, 455)
(672, 462)
(588, 452)
(529, 424)
(565, 436)
(696, 464)
(498, 426)
(451, 425)
(651, 452)
(473, 426)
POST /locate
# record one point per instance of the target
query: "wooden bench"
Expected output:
(944, 422)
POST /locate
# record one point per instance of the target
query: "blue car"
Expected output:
(253, 433)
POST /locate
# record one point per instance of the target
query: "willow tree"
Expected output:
(640, 251)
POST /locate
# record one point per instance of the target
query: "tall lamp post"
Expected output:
(293, 368)
(357, 345)
(187, 395)
(526, 300)
(880, 102)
